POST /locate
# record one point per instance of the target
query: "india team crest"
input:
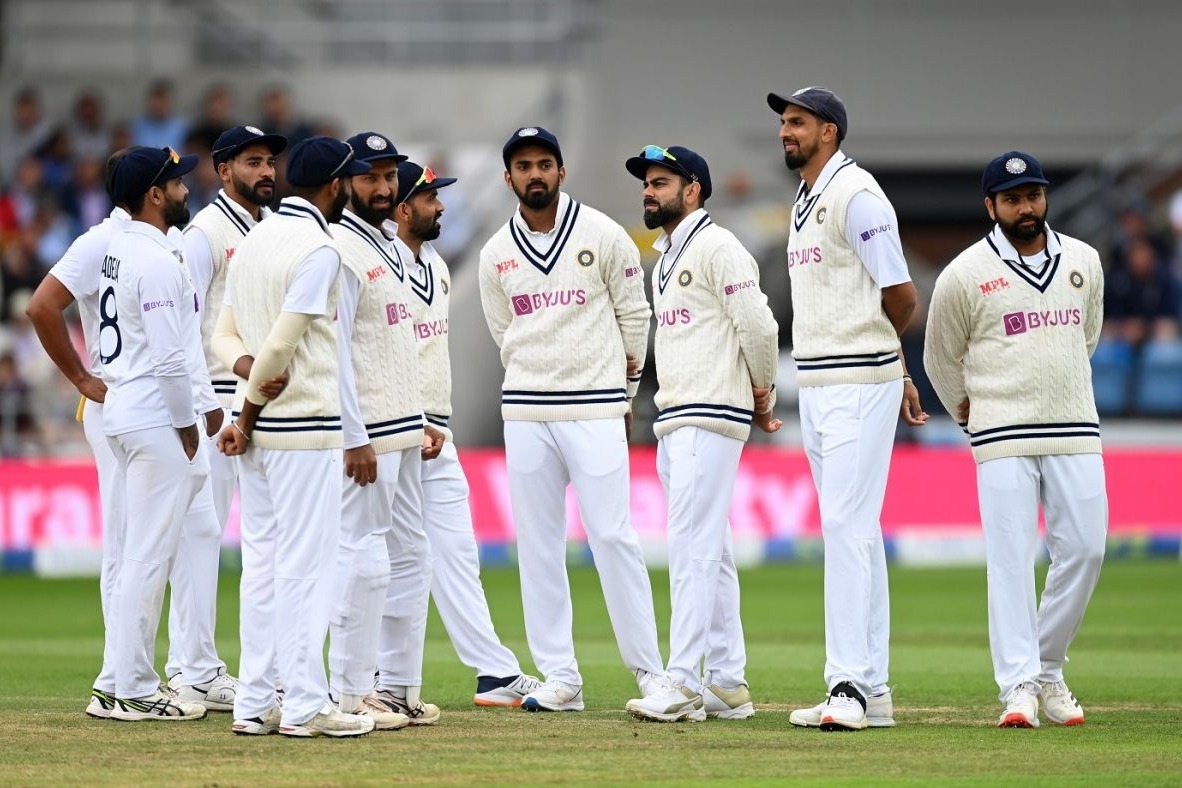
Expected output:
(254, 130)
(528, 131)
(374, 142)
(1076, 279)
(586, 258)
(685, 278)
(1015, 166)
(443, 284)
(821, 214)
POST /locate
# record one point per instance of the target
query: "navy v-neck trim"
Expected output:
(394, 262)
(663, 275)
(544, 261)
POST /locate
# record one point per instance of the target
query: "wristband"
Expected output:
(906, 377)
(234, 424)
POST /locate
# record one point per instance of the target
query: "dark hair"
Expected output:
(109, 173)
(136, 203)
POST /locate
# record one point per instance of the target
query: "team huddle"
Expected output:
(301, 358)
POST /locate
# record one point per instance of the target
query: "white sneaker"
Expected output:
(880, 713)
(554, 696)
(1059, 705)
(330, 722)
(1021, 707)
(509, 691)
(417, 712)
(155, 707)
(668, 702)
(217, 694)
(384, 718)
(845, 710)
(647, 680)
(727, 704)
(259, 726)
(101, 704)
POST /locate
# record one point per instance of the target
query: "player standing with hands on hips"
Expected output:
(562, 293)
(277, 316)
(150, 348)
(1012, 324)
(716, 353)
(851, 298)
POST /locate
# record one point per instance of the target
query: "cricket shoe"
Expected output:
(1059, 705)
(259, 726)
(647, 680)
(1021, 707)
(554, 696)
(330, 722)
(101, 704)
(668, 702)
(371, 706)
(507, 691)
(417, 712)
(159, 706)
(217, 694)
(880, 713)
(845, 710)
(727, 704)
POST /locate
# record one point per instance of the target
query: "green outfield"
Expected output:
(1126, 669)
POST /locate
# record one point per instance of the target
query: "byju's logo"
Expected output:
(522, 305)
(1015, 323)
(396, 313)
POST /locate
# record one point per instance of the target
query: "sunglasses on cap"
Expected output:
(173, 158)
(348, 158)
(663, 156)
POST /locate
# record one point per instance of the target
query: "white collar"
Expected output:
(563, 205)
(835, 163)
(1006, 250)
(666, 243)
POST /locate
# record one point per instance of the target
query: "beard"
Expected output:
(369, 213)
(260, 194)
(176, 214)
(338, 205)
(665, 214)
(425, 228)
(794, 161)
(1015, 231)
(537, 201)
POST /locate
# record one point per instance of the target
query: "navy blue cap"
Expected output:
(1011, 169)
(319, 160)
(372, 146)
(231, 142)
(142, 167)
(822, 102)
(531, 135)
(682, 161)
(409, 177)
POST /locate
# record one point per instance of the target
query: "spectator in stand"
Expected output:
(28, 130)
(18, 203)
(55, 230)
(159, 126)
(16, 413)
(1133, 225)
(279, 117)
(1141, 298)
(56, 155)
(217, 115)
(20, 269)
(203, 182)
(92, 204)
(88, 132)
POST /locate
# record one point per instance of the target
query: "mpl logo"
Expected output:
(1015, 323)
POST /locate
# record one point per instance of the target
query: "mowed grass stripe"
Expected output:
(1125, 669)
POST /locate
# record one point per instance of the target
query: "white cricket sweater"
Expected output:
(1016, 341)
(307, 415)
(384, 356)
(565, 307)
(840, 333)
(223, 223)
(430, 285)
(716, 336)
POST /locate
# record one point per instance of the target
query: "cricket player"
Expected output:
(455, 582)
(563, 296)
(1012, 324)
(851, 298)
(716, 353)
(192, 614)
(149, 347)
(281, 297)
(384, 559)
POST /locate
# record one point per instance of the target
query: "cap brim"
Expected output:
(778, 103)
(1021, 180)
(638, 167)
(397, 158)
(355, 167)
(438, 183)
(186, 165)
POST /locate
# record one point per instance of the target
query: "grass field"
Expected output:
(1126, 669)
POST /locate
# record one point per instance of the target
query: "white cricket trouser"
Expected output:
(592, 454)
(162, 482)
(455, 584)
(403, 630)
(291, 522)
(111, 492)
(848, 433)
(698, 469)
(1029, 644)
(223, 476)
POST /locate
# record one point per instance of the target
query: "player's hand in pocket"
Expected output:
(190, 440)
